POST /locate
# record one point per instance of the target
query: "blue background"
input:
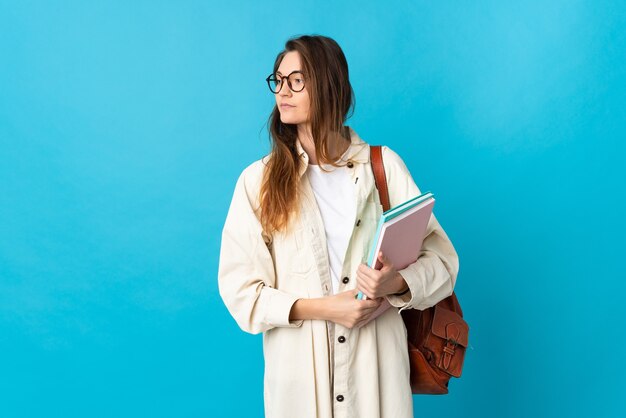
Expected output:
(124, 126)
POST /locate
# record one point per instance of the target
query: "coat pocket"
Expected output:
(301, 258)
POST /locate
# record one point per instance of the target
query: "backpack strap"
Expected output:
(380, 179)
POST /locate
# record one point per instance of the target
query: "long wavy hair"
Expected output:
(332, 102)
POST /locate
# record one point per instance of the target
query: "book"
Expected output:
(400, 233)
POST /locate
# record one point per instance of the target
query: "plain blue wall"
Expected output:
(124, 126)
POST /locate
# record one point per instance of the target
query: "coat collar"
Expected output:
(357, 152)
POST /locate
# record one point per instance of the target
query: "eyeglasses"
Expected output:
(295, 80)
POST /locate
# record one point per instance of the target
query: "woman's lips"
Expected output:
(284, 106)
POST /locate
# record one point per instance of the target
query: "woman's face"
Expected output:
(293, 106)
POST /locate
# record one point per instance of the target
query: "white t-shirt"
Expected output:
(334, 192)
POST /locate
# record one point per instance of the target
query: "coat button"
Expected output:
(350, 165)
(340, 398)
(341, 339)
(345, 280)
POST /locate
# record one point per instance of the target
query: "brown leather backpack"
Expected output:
(437, 336)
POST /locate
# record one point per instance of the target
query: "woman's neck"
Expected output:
(338, 144)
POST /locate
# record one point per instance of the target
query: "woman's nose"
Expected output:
(284, 89)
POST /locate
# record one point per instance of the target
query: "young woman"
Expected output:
(294, 247)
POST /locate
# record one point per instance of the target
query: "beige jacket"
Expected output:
(308, 372)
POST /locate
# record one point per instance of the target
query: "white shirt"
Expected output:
(334, 193)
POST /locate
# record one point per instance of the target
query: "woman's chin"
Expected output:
(290, 121)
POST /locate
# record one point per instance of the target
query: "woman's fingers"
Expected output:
(365, 281)
(369, 287)
(350, 311)
(366, 313)
(365, 319)
(365, 272)
(370, 303)
(366, 289)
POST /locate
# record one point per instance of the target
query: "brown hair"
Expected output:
(331, 98)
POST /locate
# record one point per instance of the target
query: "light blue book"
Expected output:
(411, 218)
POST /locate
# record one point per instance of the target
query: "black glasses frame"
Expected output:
(269, 79)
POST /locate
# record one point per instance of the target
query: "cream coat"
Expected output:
(260, 278)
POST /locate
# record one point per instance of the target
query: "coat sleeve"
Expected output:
(433, 276)
(246, 275)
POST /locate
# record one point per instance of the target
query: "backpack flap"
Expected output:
(453, 331)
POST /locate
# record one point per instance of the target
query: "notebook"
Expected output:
(400, 233)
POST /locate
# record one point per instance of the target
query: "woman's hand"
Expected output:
(344, 309)
(378, 283)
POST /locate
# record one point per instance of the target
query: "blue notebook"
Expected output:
(400, 233)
